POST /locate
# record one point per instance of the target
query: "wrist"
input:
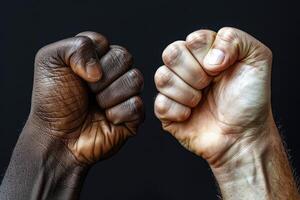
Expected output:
(249, 155)
(252, 148)
(259, 170)
(56, 171)
(245, 174)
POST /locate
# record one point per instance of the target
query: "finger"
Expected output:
(233, 45)
(78, 53)
(100, 42)
(84, 60)
(199, 43)
(128, 85)
(168, 110)
(128, 111)
(178, 58)
(170, 85)
(114, 63)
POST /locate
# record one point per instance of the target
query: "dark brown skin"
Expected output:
(85, 105)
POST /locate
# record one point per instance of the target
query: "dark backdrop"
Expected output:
(152, 165)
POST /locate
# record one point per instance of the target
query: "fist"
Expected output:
(214, 92)
(86, 96)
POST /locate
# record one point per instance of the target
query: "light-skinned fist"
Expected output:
(214, 92)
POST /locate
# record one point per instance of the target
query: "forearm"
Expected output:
(38, 171)
(262, 171)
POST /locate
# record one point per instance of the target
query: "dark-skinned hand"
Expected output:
(85, 105)
(85, 94)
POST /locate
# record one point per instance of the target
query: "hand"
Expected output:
(214, 92)
(69, 76)
(214, 97)
(85, 105)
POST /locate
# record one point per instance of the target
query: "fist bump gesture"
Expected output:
(214, 92)
(214, 98)
(85, 104)
(86, 94)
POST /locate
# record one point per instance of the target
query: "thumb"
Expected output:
(84, 60)
(232, 45)
(78, 53)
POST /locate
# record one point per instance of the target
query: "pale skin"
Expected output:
(214, 98)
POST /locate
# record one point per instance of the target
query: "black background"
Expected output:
(152, 165)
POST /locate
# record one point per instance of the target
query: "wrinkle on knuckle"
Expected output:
(82, 49)
(183, 115)
(195, 99)
(123, 55)
(180, 117)
(203, 81)
(229, 35)
(200, 38)
(163, 77)
(99, 39)
(121, 58)
(133, 80)
(47, 57)
(136, 104)
(136, 79)
(114, 64)
(260, 53)
(82, 42)
(162, 106)
(78, 52)
(172, 53)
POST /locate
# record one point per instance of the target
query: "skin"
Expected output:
(85, 105)
(214, 98)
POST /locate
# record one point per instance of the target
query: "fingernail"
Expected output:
(214, 57)
(92, 70)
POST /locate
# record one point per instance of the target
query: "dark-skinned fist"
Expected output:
(85, 96)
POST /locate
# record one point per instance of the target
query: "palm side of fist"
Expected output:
(214, 92)
(86, 96)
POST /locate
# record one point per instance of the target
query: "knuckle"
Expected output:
(268, 52)
(163, 77)
(196, 97)
(104, 45)
(183, 115)
(121, 56)
(172, 52)
(81, 51)
(161, 105)
(203, 80)
(82, 42)
(96, 36)
(40, 52)
(228, 34)
(101, 42)
(136, 104)
(39, 55)
(47, 56)
(178, 43)
(136, 79)
(200, 38)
